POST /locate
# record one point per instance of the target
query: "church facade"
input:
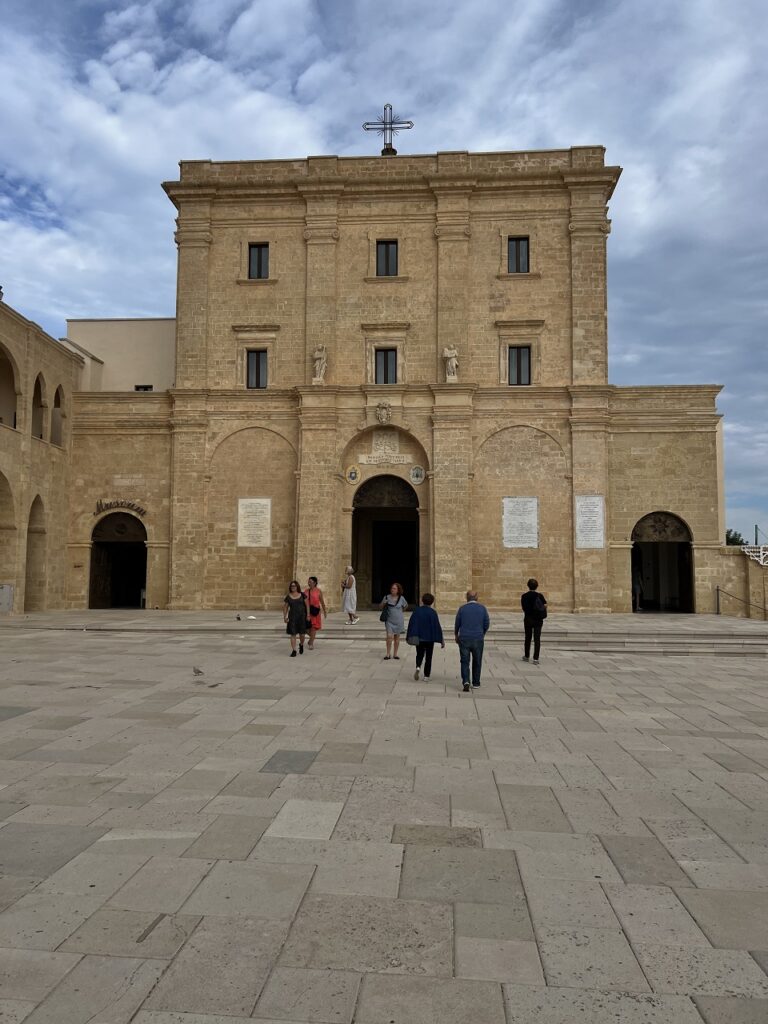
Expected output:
(399, 363)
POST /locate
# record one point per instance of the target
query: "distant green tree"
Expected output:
(734, 537)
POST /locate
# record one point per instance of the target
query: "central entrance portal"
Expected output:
(385, 538)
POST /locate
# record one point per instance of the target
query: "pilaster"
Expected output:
(317, 490)
(189, 429)
(321, 233)
(590, 414)
(452, 232)
(451, 492)
(193, 238)
(589, 227)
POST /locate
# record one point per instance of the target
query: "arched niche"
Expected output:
(662, 564)
(118, 572)
(38, 407)
(35, 570)
(57, 418)
(522, 461)
(8, 533)
(252, 463)
(8, 389)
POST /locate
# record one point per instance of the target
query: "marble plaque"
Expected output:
(520, 522)
(254, 522)
(590, 521)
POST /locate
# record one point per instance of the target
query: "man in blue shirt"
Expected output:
(472, 622)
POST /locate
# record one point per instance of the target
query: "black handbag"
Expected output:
(384, 613)
(412, 640)
(314, 609)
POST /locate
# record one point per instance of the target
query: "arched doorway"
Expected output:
(118, 562)
(385, 538)
(34, 590)
(662, 564)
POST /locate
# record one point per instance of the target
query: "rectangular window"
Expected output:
(258, 261)
(386, 259)
(517, 258)
(143, 387)
(257, 368)
(519, 364)
(386, 366)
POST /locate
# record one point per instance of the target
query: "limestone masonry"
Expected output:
(399, 363)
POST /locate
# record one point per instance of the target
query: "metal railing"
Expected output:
(757, 552)
(727, 593)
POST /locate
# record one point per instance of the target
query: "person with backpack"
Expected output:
(534, 612)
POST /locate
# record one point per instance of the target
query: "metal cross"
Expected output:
(388, 125)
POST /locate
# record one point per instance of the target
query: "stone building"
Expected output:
(400, 363)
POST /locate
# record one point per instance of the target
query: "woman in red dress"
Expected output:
(316, 605)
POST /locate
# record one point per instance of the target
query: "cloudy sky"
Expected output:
(101, 98)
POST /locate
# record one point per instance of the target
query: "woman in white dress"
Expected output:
(349, 589)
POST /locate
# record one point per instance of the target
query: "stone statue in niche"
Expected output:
(451, 357)
(384, 412)
(320, 359)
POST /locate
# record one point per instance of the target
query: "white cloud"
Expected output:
(96, 113)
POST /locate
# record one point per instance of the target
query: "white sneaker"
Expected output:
(355, 621)
(416, 675)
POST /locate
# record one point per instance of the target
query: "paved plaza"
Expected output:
(197, 829)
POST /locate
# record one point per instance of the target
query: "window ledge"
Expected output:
(510, 277)
(384, 279)
(257, 280)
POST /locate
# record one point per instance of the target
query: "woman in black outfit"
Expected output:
(295, 615)
(534, 612)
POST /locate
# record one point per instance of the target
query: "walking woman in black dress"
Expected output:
(295, 615)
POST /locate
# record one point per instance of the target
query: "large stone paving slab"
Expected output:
(338, 842)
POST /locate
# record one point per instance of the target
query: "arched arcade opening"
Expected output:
(662, 564)
(118, 562)
(34, 590)
(385, 538)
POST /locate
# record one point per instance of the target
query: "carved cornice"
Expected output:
(193, 237)
(590, 227)
(453, 232)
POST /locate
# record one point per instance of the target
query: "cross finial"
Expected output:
(388, 125)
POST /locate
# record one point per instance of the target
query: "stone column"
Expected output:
(193, 239)
(157, 574)
(589, 446)
(189, 429)
(451, 492)
(78, 574)
(589, 227)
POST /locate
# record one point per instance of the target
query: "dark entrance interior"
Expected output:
(385, 538)
(118, 562)
(662, 564)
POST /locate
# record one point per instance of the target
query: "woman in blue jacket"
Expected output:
(424, 628)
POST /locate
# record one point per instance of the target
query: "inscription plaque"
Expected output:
(520, 522)
(590, 521)
(254, 522)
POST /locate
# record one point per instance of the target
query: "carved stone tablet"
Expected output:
(254, 522)
(590, 521)
(520, 522)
